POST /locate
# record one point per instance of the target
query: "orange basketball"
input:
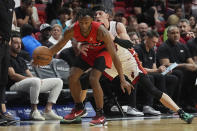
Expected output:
(42, 56)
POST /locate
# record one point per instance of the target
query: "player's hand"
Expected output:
(126, 85)
(83, 49)
(34, 64)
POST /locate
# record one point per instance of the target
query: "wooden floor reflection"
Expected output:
(171, 124)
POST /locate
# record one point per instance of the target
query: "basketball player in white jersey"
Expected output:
(130, 63)
(131, 66)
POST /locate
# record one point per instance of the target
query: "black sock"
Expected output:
(180, 111)
(79, 106)
(99, 112)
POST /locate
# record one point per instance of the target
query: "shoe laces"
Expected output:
(97, 117)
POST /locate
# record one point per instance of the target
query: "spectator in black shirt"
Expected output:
(21, 79)
(172, 51)
(147, 56)
(6, 15)
(24, 14)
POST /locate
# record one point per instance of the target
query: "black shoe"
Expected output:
(8, 118)
(2, 122)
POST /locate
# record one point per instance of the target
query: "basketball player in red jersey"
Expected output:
(131, 65)
(100, 54)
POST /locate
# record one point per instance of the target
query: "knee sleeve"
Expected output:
(145, 82)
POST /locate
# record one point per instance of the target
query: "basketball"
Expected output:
(42, 56)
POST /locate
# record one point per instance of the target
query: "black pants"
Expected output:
(4, 63)
(147, 91)
(68, 55)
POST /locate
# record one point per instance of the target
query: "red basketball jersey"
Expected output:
(96, 48)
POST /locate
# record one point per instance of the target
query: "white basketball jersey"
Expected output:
(130, 63)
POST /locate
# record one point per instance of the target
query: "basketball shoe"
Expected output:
(185, 116)
(99, 119)
(73, 117)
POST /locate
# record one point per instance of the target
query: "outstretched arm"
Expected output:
(67, 36)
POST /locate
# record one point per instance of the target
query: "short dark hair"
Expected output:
(15, 33)
(102, 8)
(26, 29)
(152, 33)
(84, 12)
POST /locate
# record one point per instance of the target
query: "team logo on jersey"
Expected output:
(91, 39)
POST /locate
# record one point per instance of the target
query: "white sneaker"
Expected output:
(114, 108)
(51, 116)
(149, 110)
(134, 112)
(35, 115)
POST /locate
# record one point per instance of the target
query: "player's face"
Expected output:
(84, 24)
(101, 16)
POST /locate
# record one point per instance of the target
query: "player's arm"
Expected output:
(104, 35)
(124, 39)
(122, 32)
(67, 36)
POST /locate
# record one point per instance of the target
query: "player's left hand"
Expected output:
(83, 49)
(126, 85)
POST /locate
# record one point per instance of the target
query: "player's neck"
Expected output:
(107, 25)
(86, 33)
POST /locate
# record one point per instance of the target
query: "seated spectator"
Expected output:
(63, 16)
(134, 38)
(24, 14)
(45, 34)
(192, 45)
(142, 29)
(132, 24)
(21, 79)
(173, 51)
(51, 9)
(56, 34)
(29, 42)
(147, 56)
(172, 20)
(192, 21)
(185, 30)
(179, 12)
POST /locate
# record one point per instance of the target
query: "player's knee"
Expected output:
(72, 78)
(93, 79)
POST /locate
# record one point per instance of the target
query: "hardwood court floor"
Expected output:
(169, 124)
